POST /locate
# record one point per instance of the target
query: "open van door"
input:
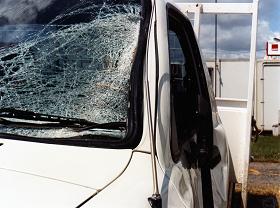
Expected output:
(236, 114)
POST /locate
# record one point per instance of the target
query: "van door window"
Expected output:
(184, 90)
(188, 91)
(191, 111)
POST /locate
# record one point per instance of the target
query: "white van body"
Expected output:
(49, 175)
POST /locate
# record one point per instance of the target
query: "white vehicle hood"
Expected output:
(45, 175)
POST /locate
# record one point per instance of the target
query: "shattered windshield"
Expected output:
(69, 58)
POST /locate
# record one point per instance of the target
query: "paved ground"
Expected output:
(264, 178)
(263, 186)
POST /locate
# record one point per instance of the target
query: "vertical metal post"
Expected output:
(214, 81)
(250, 102)
(216, 44)
(196, 25)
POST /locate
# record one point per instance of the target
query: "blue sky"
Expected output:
(271, 13)
(234, 30)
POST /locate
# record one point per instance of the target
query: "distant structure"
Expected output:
(230, 80)
(273, 50)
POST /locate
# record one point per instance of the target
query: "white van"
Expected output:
(97, 110)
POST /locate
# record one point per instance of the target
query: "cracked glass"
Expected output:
(69, 58)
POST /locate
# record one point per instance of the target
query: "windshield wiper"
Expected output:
(52, 121)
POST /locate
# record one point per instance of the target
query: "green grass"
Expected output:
(266, 149)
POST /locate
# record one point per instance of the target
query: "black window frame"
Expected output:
(198, 68)
(135, 104)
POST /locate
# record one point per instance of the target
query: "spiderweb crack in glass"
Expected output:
(76, 70)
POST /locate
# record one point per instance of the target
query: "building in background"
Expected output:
(230, 80)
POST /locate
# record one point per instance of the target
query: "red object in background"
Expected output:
(274, 47)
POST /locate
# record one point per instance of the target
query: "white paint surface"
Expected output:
(88, 167)
(27, 191)
(132, 189)
(271, 95)
(233, 117)
(234, 77)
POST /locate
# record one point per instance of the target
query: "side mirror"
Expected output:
(199, 151)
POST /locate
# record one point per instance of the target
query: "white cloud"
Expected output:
(21, 11)
(234, 31)
(234, 38)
